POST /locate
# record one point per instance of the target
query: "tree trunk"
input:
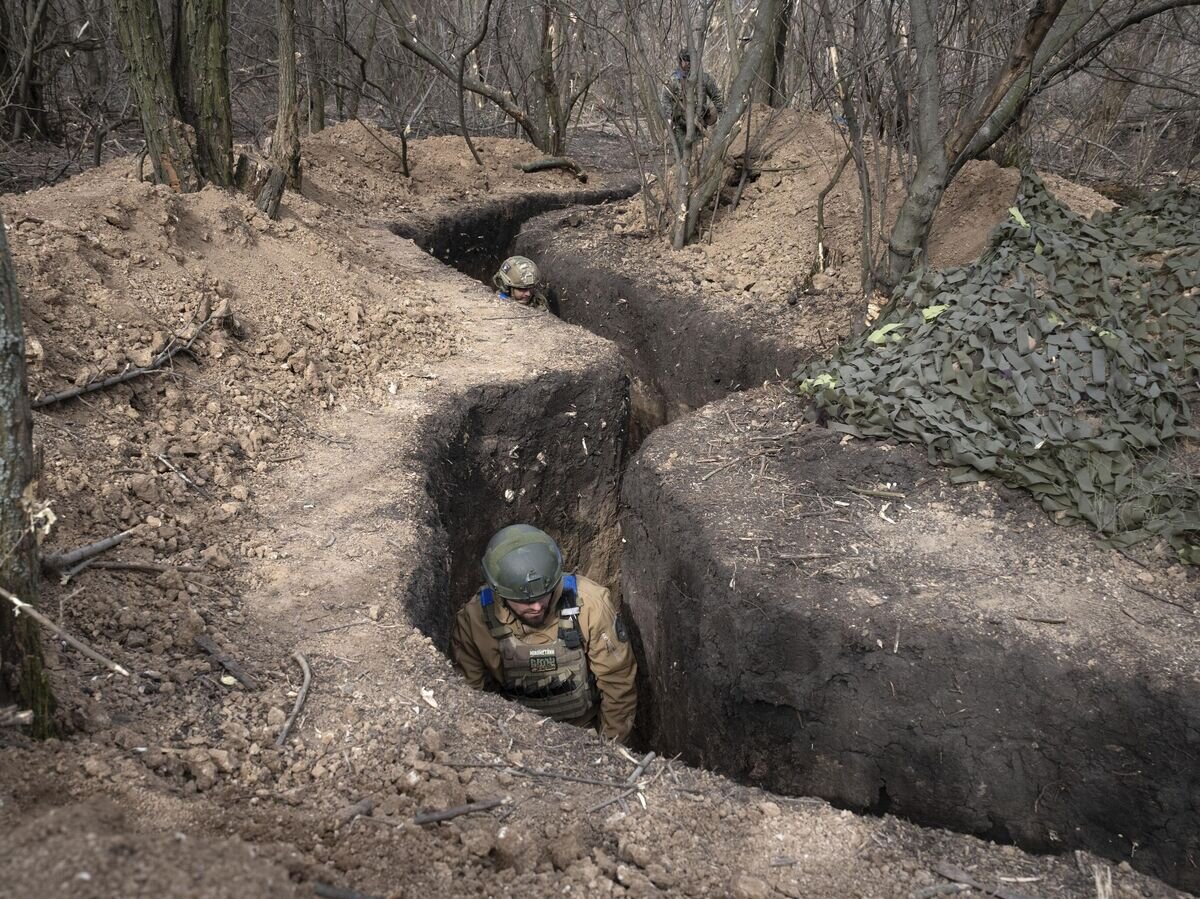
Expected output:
(202, 80)
(285, 148)
(772, 87)
(170, 141)
(360, 76)
(314, 69)
(22, 676)
(26, 103)
(929, 182)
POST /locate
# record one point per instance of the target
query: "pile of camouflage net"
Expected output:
(1064, 361)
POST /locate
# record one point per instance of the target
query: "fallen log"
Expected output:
(566, 163)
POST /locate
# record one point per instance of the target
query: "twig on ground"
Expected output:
(962, 877)
(641, 768)
(434, 817)
(186, 480)
(45, 622)
(1040, 620)
(611, 800)
(150, 567)
(300, 698)
(882, 494)
(59, 562)
(235, 670)
(156, 363)
(1160, 598)
(728, 464)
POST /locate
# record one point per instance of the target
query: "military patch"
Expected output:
(543, 660)
(622, 632)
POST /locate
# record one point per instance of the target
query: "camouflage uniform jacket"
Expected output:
(674, 101)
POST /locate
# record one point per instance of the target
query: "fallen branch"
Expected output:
(1161, 598)
(45, 622)
(522, 771)
(156, 363)
(612, 799)
(300, 698)
(434, 817)
(641, 768)
(150, 567)
(566, 163)
(882, 494)
(235, 670)
(57, 562)
(962, 877)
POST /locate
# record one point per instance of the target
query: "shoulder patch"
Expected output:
(620, 630)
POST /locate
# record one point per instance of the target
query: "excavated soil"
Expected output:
(316, 475)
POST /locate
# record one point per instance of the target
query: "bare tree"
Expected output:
(201, 80)
(21, 672)
(171, 143)
(1052, 42)
(285, 146)
(698, 174)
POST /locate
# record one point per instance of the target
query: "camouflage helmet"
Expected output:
(517, 271)
(522, 563)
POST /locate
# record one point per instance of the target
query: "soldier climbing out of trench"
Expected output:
(674, 101)
(555, 642)
(519, 279)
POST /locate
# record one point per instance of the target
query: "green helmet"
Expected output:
(517, 271)
(522, 563)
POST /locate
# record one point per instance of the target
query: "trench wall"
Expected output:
(680, 353)
(514, 451)
(474, 239)
(969, 720)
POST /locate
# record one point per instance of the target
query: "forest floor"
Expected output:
(276, 475)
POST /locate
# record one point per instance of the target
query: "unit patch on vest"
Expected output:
(543, 660)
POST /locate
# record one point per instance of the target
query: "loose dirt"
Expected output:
(303, 456)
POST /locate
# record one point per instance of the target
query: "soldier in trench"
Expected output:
(555, 642)
(518, 279)
(674, 101)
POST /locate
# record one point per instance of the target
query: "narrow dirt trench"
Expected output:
(744, 694)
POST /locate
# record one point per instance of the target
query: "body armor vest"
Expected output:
(553, 679)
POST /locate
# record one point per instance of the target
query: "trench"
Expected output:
(822, 723)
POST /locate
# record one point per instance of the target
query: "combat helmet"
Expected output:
(517, 271)
(522, 563)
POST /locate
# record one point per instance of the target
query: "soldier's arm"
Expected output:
(467, 657)
(714, 92)
(610, 656)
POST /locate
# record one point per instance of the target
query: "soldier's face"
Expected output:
(522, 294)
(534, 611)
(685, 66)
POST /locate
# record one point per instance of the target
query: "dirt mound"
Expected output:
(356, 166)
(768, 244)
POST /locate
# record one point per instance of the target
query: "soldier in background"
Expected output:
(674, 101)
(554, 642)
(518, 279)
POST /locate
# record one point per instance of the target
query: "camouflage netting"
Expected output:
(1062, 362)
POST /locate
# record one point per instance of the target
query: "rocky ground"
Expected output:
(281, 476)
